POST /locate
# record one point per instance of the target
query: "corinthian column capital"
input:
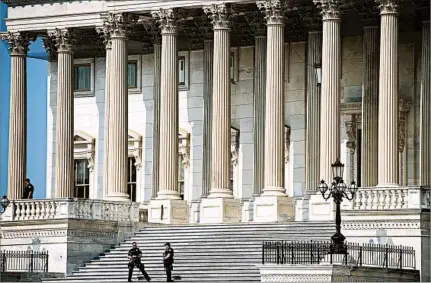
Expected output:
(63, 39)
(118, 24)
(104, 33)
(168, 20)
(18, 42)
(273, 10)
(388, 6)
(219, 14)
(330, 9)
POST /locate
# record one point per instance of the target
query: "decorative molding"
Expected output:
(64, 39)
(18, 42)
(220, 15)
(55, 233)
(234, 146)
(296, 277)
(401, 133)
(135, 147)
(184, 149)
(330, 9)
(388, 7)
(84, 148)
(386, 224)
(287, 133)
(274, 11)
(104, 33)
(167, 19)
(351, 128)
(118, 24)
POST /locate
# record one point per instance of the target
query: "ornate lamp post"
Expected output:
(4, 202)
(338, 190)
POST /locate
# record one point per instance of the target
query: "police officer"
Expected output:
(134, 256)
(28, 189)
(168, 260)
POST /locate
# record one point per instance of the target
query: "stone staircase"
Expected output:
(204, 253)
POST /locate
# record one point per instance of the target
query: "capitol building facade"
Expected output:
(202, 112)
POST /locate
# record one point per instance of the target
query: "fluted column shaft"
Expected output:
(18, 115)
(313, 112)
(425, 126)
(259, 112)
(64, 169)
(156, 119)
(388, 101)
(107, 126)
(330, 89)
(118, 119)
(370, 106)
(207, 130)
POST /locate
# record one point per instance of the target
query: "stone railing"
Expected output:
(88, 209)
(390, 198)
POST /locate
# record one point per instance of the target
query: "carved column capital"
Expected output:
(330, 9)
(104, 33)
(118, 24)
(18, 42)
(388, 7)
(63, 38)
(273, 11)
(168, 20)
(219, 14)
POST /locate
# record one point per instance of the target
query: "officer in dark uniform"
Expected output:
(134, 256)
(168, 260)
(28, 190)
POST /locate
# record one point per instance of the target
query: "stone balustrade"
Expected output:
(390, 198)
(72, 208)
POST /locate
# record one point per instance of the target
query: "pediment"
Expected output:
(82, 137)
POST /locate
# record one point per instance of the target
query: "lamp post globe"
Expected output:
(4, 203)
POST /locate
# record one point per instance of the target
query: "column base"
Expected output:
(320, 209)
(220, 210)
(168, 211)
(118, 197)
(274, 209)
(274, 191)
(220, 193)
(168, 194)
(302, 208)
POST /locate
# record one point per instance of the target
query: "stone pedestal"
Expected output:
(220, 210)
(168, 211)
(274, 209)
(302, 208)
(320, 209)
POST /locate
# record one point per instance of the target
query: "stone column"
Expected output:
(168, 170)
(330, 87)
(313, 112)
(221, 104)
(425, 126)
(18, 45)
(370, 105)
(274, 100)
(64, 167)
(259, 112)
(108, 47)
(156, 119)
(118, 24)
(388, 92)
(208, 89)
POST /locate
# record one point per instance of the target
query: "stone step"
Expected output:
(154, 279)
(179, 264)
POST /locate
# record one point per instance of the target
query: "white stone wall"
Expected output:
(89, 115)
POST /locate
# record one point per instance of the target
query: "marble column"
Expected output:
(370, 105)
(259, 112)
(221, 104)
(64, 167)
(168, 162)
(156, 119)
(388, 95)
(274, 100)
(425, 126)
(330, 87)
(207, 130)
(313, 112)
(18, 45)
(118, 24)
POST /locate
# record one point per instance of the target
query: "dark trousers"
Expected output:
(139, 265)
(168, 269)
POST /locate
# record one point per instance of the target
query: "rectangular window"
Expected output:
(181, 70)
(181, 176)
(132, 71)
(232, 66)
(82, 179)
(131, 179)
(82, 77)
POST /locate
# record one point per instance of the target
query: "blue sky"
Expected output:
(37, 72)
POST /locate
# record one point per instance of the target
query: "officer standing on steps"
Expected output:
(134, 256)
(168, 261)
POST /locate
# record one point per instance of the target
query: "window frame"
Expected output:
(186, 56)
(138, 60)
(84, 92)
(131, 161)
(88, 173)
(136, 79)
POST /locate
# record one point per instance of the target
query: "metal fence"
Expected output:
(386, 256)
(24, 261)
